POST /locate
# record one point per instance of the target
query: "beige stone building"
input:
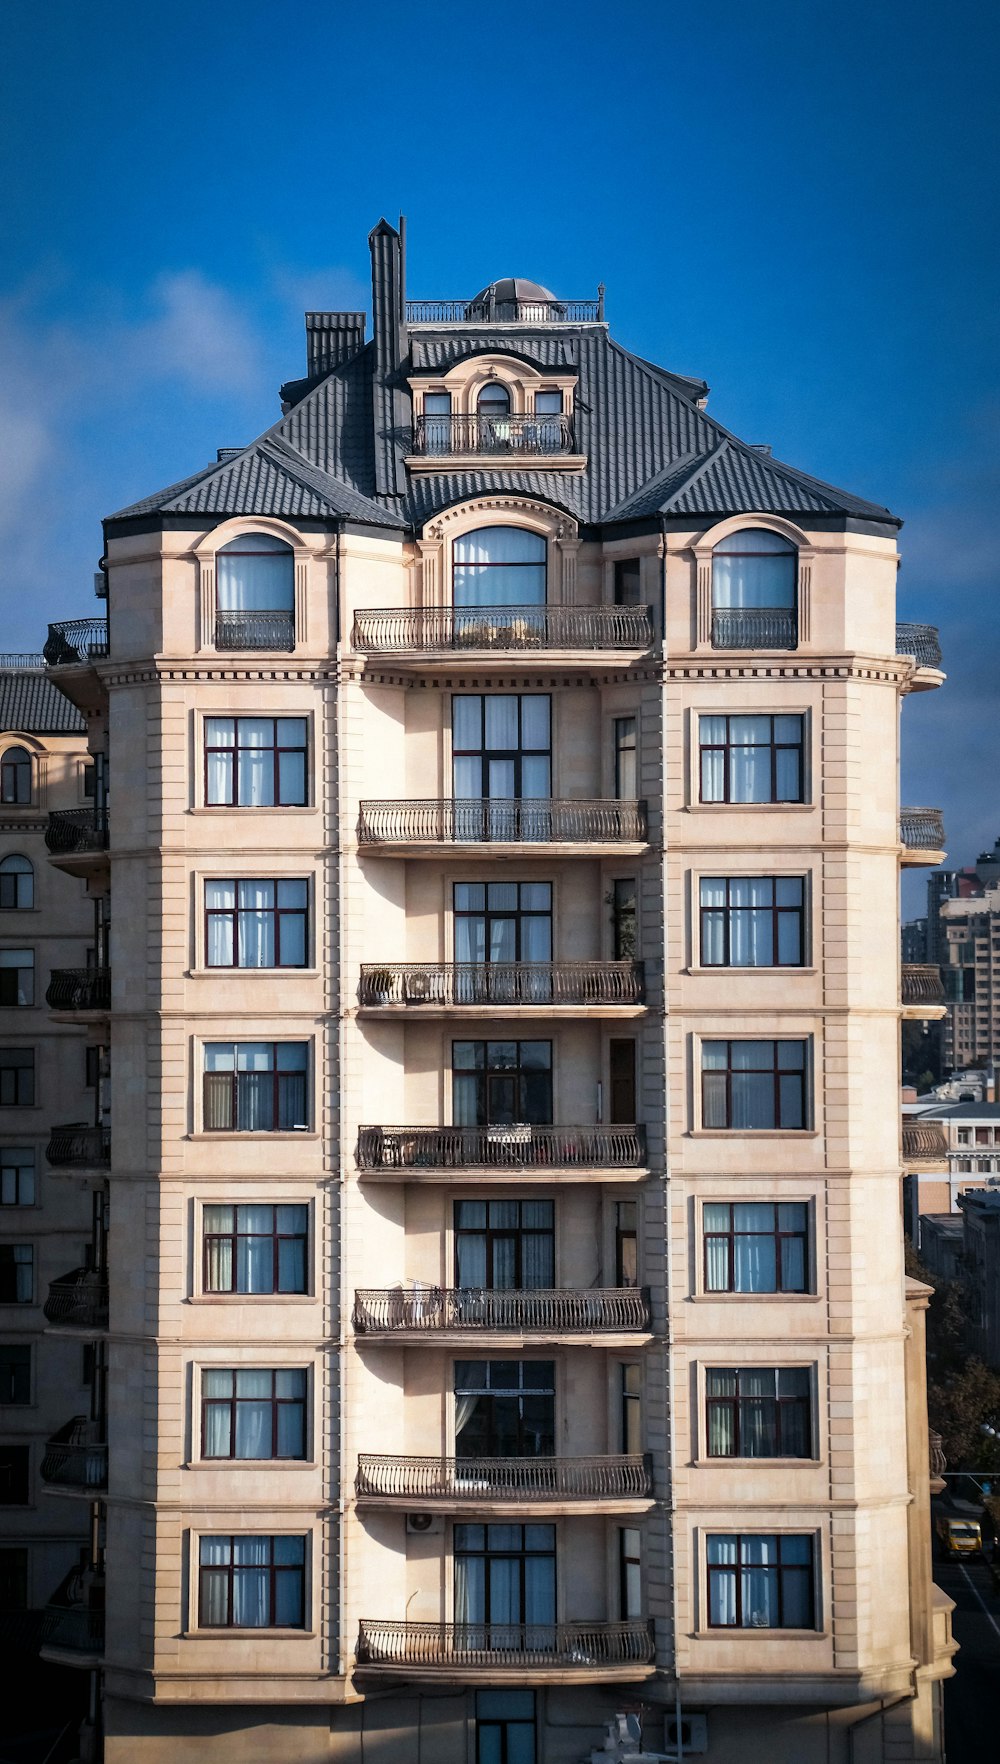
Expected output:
(507, 1317)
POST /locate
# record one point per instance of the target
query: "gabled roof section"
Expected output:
(30, 703)
(733, 479)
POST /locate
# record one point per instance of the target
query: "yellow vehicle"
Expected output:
(959, 1537)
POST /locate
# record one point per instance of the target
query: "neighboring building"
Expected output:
(972, 1152)
(507, 1311)
(913, 941)
(46, 932)
(981, 1257)
(942, 1243)
(970, 927)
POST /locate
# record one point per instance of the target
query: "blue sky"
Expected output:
(796, 201)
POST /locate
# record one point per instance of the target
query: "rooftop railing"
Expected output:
(255, 630)
(921, 984)
(923, 1140)
(755, 627)
(504, 1646)
(74, 1459)
(79, 989)
(921, 829)
(503, 1479)
(515, 1146)
(922, 642)
(79, 1146)
(427, 1311)
(501, 820)
(504, 312)
(501, 983)
(71, 642)
(502, 629)
(78, 1301)
(77, 830)
(442, 436)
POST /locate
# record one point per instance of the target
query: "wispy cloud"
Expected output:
(198, 335)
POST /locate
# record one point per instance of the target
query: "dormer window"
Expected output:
(754, 577)
(494, 399)
(498, 566)
(437, 422)
(502, 410)
(255, 593)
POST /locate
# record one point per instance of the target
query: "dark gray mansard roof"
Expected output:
(651, 452)
(30, 704)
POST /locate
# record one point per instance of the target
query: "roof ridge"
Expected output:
(698, 470)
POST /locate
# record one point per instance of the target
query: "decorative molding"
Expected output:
(704, 600)
(206, 594)
(805, 598)
(301, 599)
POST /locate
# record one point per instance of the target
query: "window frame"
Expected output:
(21, 984)
(488, 1394)
(729, 1292)
(517, 1074)
(737, 1401)
(275, 913)
(29, 1262)
(810, 1570)
(15, 760)
(700, 912)
(18, 1101)
(16, 1452)
(12, 1373)
(237, 1295)
(275, 1404)
(274, 1070)
(18, 877)
(778, 1072)
(490, 1234)
(26, 1164)
(773, 802)
(486, 755)
(234, 805)
(229, 1627)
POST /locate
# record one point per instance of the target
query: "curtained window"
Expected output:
(505, 926)
(251, 1413)
(251, 1582)
(759, 1412)
(255, 1086)
(255, 573)
(495, 1083)
(255, 762)
(505, 1244)
(17, 1175)
(498, 567)
(15, 775)
(501, 755)
(752, 921)
(759, 1582)
(505, 1579)
(752, 1086)
(504, 1409)
(754, 568)
(256, 924)
(749, 759)
(17, 882)
(17, 977)
(756, 1246)
(255, 1248)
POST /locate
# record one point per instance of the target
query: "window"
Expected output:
(504, 1244)
(505, 1575)
(759, 1412)
(629, 1572)
(628, 582)
(15, 775)
(498, 566)
(255, 593)
(14, 1482)
(255, 762)
(17, 882)
(13, 1580)
(760, 1582)
(626, 1243)
(503, 922)
(623, 919)
(251, 1582)
(17, 1274)
(631, 1408)
(505, 1727)
(494, 399)
(246, 1413)
(504, 1409)
(751, 1086)
(17, 976)
(547, 436)
(17, 1176)
(437, 422)
(626, 758)
(756, 1246)
(92, 1067)
(494, 1083)
(751, 759)
(548, 403)
(15, 1373)
(502, 750)
(17, 1077)
(621, 1073)
(752, 921)
(90, 782)
(754, 576)
(255, 1249)
(256, 924)
(255, 1086)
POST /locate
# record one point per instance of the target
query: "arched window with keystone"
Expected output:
(754, 578)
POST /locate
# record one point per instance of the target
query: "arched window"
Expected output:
(255, 593)
(499, 566)
(15, 775)
(494, 399)
(754, 574)
(17, 881)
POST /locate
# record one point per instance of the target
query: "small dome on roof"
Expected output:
(514, 288)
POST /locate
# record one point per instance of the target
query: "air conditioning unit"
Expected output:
(424, 1524)
(693, 1736)
(417, 988)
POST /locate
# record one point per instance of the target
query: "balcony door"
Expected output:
(496, 567)
(505, 1581)
(501, 765)
(504, 1409)
(504, 1245)
(503, 942)
(498, 1083)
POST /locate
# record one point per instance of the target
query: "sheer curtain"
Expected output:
(758, 1415)
(256, 762)
(218, 1249)
(220, 903)
(215, 1556)
(216, 1390)
(251, 1560)
(255, 573)
(498, 566)
(751, 940)
(256, 924)
(753, 568)
(255, 1250)
(722, 1558)
(713, 921)
(253, 1415)
(754, 1248)
(752, 1087)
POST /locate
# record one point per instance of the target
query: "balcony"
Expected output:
(535, 1653)
(74, 1460)
(439, 441)
(72, 1624)
(78, 839)
(921, 834)
(503, 988)
(79, 1147)
(79, 992)
(76, 643)
(925, 1145)
(505, 312)
(621, 1484)
(922, 992)
(434, 1312)
(78, 1302)
(531, 631)
(517, 1149)
(424, 826)
(755, 627)
(924, 644)
(255, 630)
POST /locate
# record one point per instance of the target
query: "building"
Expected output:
(970, 929)
(981, 1258)
(504, 1042)
(47, 1074)
(971, 1157)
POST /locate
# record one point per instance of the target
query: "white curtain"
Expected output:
(754, 568)
(256, 924)
(255, 574)
(220, 900)
(499, 566)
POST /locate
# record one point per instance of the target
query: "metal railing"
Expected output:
(435, 436)
(515, 1146)
(21, 659)
(79, 989)
(924, 1139)
(922, 642)
(499, 983)
(504, 312)
(514, 1646)
(254, 630)
(72, 641)
(921, 984)
(386, 1311)
(504, 1479)
(74, 1459)
(921, 829)
(76, 1629)
(755, 627)
(502, 628)
(79, 1146)
(78, 1301)
(84, 829)
(474, 820)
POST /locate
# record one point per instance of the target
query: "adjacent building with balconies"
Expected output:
(504, 1021)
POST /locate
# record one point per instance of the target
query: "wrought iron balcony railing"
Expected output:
(501, 820)
(502, 629)
(922, 642)
(78, 1301)
(516, 1146)
(755, 627)
(72, 641)
(501, 983)
(505, 1646)
(921, 984)
(444, 436)
(79, 1147)
(73, 1458)
(504, 312)
(80, 830)
(254, 630)
(73, 1629)
(921, 829)
(503, 1479)
(426, 1311)
(923, 1141)
(79, 989)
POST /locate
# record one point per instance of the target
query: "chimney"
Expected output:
(390, 406)
(331, 338)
